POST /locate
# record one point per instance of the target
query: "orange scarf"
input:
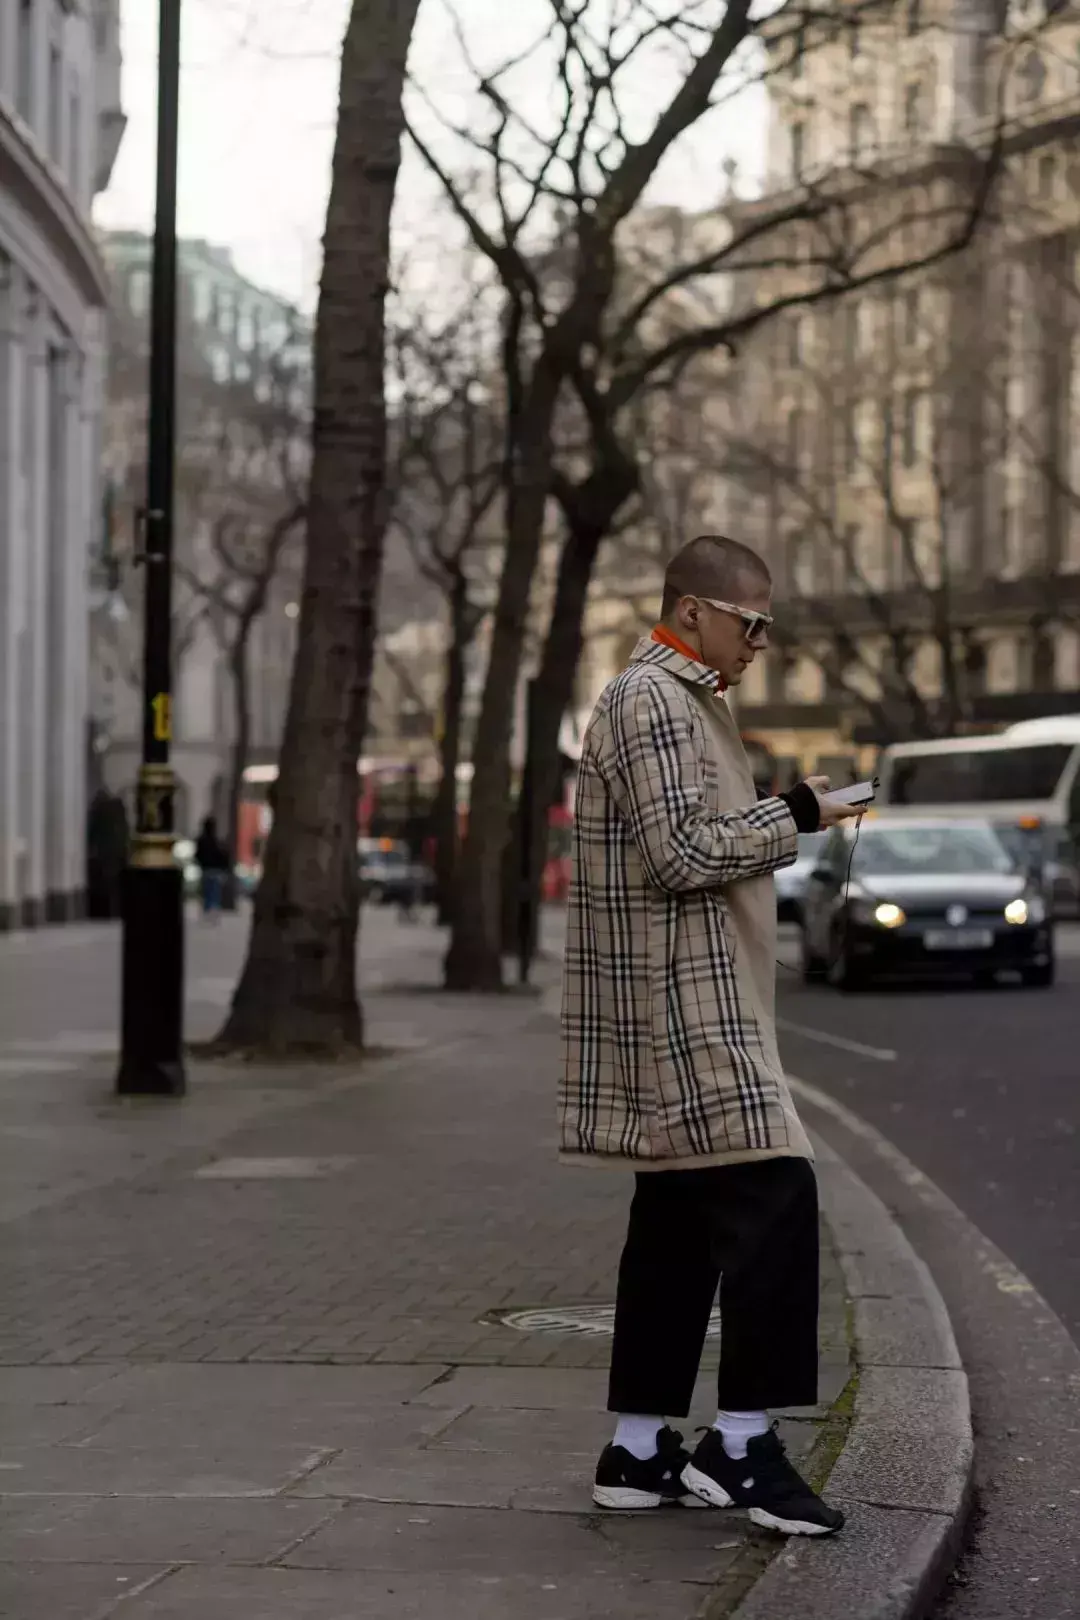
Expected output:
(668, 638)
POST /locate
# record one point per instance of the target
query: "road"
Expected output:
(979, 1088)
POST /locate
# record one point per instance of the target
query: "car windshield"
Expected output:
(941, 851)
(809, 846)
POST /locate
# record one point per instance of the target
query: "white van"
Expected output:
(1026, 780)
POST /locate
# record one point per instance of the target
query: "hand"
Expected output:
(831, 813)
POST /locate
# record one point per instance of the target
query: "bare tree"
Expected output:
(446, 464)
(586, 313)
(298, 987)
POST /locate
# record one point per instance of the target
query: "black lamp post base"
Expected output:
(151, 1060)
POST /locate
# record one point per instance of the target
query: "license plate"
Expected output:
(959, 939)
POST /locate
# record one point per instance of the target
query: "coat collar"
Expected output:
(676, 663)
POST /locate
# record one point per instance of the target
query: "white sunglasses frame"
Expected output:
(756, 623)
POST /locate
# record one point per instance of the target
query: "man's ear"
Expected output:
(686, 611)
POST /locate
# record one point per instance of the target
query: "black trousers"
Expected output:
(750, 1228)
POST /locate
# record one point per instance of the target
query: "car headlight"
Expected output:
(881, 913)
(1021, 911)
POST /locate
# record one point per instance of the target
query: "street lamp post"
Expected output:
(151, 1058)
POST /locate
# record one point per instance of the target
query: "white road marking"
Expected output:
(882, 1054)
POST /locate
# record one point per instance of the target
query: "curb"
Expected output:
(904, 1475)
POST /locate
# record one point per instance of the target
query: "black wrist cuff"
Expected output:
(803, 804)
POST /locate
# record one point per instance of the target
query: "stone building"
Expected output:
(243, 400)
(906, 456)
(60, 128)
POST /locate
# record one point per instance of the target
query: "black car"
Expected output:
(919, 897)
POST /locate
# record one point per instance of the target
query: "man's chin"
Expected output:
(736, 675)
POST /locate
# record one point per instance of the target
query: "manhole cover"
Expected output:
(598, 1321)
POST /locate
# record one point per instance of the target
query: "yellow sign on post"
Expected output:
(162, 707)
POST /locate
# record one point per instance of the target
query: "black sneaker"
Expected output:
(626, 1484)
(764, 1482)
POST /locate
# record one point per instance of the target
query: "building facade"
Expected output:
(60, 128)
(243, 401)
(904, 455)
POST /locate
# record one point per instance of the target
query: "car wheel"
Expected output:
(1040, 977)
(841, 971)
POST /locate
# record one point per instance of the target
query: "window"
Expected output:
(910, 418)
(855, 40)
(862, 131)
(139, 291)
(1032, 77)
(802, 566)
(75, 145)
(1045, 175)
(794, 438)
(56, 102)
(797, 341)
(912, 109)
(980, 776)
(245, 330)
(201, 300)
(914, 16)
(910, 310)
(798, 150)
(24, 78)
(798, 50)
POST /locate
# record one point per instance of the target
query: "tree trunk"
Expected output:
(601, 499)
(444, 813)
(298, 988)
(474, 959)
(238, 671)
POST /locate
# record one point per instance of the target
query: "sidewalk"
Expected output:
(255, 1361)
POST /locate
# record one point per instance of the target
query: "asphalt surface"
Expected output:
(979, 1091)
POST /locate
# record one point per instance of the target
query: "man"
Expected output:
(670, 1056)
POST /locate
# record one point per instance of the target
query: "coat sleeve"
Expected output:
(655, 774)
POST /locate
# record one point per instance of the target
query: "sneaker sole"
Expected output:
(705, 1488)
(791, 1527)
(623, 1499)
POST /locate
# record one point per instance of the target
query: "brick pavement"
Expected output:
(245, 1387)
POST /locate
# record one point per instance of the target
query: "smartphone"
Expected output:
(858, 793)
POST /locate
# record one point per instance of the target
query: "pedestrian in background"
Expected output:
(212, 859)
(670, 1061)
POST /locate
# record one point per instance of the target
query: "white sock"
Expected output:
(739, 1427)
(637, 1435)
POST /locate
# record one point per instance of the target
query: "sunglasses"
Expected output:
(757, 625)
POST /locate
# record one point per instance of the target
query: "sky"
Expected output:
(258, 99)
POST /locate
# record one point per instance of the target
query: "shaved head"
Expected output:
(712, 565)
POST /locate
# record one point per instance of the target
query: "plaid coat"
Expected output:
(668, 1029)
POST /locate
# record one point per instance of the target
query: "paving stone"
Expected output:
(551, 1546)
(573, 1389)
(212, 1469)
(71, 1591)
(382, 1429)
(263, 1387)
(479, 1479)
(288, 1594)
(56, 1386)
(113, 1530)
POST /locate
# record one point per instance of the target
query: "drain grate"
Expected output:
(595, 1321)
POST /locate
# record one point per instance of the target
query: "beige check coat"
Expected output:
(669, 1055)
